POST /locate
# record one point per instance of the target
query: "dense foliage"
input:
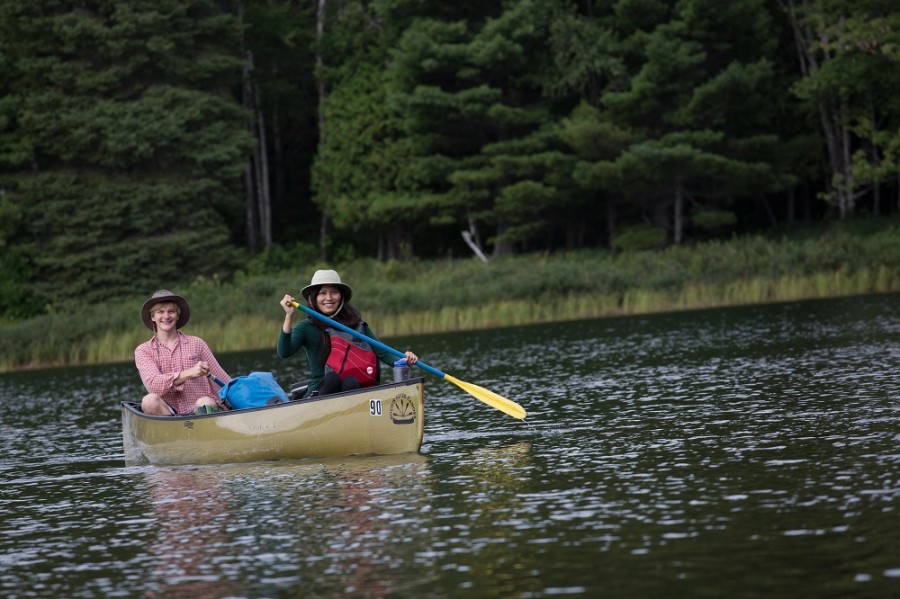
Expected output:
(136, 147)
(147, 144)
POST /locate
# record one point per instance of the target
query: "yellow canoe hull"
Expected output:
(382, 420)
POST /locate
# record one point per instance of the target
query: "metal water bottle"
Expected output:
(401, 371)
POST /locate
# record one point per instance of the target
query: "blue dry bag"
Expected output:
(251, 391)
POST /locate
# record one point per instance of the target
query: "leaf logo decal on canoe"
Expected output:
(403, 410)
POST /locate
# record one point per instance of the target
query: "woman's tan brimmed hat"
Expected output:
(166, 296)
(327, 277)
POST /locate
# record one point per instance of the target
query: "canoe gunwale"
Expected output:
(134, 407)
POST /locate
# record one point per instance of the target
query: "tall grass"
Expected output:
(416, 297)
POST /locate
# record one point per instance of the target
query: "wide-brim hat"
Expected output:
(327, 277)
(166, 296)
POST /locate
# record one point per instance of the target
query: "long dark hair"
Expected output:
(347, 316)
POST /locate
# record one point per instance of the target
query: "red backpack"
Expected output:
(352, 357)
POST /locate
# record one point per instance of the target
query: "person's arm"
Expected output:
(290, 343)
(154, 380)
(286, 304)
(212, 367)
(287, 345)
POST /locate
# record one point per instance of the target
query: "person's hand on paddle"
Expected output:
(199, 369)
(287, 303)
(411, 358)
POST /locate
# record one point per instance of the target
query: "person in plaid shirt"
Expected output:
(173, 366)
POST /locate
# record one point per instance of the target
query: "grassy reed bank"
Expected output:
(417, 297)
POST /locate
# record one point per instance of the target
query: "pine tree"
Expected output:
(696, 109)
(471, 87)
(137, 144)
(362, 148)
(848, 57)
(15, 269)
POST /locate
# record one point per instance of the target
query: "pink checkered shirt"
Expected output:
(159, 367)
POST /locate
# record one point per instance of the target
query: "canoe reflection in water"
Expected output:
(191, 519)
(267, 528)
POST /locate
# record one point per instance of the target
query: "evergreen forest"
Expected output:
(145, 143)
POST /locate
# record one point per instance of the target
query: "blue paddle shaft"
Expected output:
(368, 339)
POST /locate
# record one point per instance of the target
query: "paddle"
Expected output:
(220, 383)
(498, 402)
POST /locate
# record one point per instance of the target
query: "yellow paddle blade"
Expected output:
(498, 402)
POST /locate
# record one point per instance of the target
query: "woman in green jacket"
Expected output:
(337, 361)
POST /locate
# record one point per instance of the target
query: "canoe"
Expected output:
(381, 420)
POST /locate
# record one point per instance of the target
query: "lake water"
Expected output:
(742, 452)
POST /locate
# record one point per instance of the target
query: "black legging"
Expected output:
(332, 383)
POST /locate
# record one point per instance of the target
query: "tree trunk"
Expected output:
(876, 162)
(471, 238)
(830, 112)
(250, 224)
(278, 154)
(661, 217)
(320, 33)
(575, 228)
(773, 220)
(324, 232)
(264, 198)
(325, 224)
(381, 252)
(876, 198)
(610, 222)
(502, 248)
(846, 162)
(678, 232)
(791, 204)
(250, 212)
